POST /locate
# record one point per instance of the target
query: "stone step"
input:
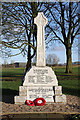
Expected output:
(56, 99)
(20, 99)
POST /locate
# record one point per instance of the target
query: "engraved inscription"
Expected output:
(43, 96)
(35, 92)
(49, 79)
(47, 96)
(40, 71)
(39, 90)
(31, 79)
(40, 77)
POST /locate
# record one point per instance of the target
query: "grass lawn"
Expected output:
(69, 82)
(12, 79)
(12, 74)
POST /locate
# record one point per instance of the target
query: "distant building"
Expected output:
(22, 64)
(60, 64)
(16, 64)
(64, 64)
(76, 63)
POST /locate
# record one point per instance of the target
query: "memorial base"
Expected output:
(40, 82)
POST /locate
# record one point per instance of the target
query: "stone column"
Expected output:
(40, 21)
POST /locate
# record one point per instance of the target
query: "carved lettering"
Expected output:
(40, 77)
(40, 71)
(31, 79)
(45, 92)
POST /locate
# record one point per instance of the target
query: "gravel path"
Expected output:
(71, 106)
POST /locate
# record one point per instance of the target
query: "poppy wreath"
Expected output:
(29, 103)
(40, 102)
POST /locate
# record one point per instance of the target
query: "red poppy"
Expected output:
(29, 103)
(40, 102)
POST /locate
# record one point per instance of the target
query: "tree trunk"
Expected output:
(29, 56)
(28, 66)
(69, 60)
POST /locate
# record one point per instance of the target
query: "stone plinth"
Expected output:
(40, 82)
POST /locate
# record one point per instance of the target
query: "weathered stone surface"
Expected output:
(42, 76)
(44, 92)
(58, 90)
(22, 91)
(40, 21)
(20, 99)
(60, 98)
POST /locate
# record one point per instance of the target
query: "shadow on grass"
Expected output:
(12, 79)
(13, 75)
(71, 91)
(8, 95)
(65, 74)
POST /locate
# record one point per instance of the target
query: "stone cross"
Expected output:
(40, 21)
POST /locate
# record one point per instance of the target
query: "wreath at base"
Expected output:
(29, 103)
(37, 102)
(40, 102)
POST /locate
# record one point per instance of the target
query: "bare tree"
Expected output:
(19, 31)
(63, 26)
(52, 59)
(18, 28)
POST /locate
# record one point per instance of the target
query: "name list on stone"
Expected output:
(40, 77)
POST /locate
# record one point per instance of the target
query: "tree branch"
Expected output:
(56, 34)
(70, 17)
(53, 15)
(62, 26)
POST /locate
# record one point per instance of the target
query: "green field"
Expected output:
(12, 79)
(69, 82)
